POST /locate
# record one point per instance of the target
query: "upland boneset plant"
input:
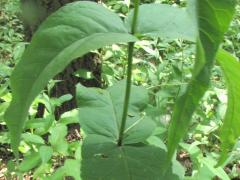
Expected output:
(116, 140)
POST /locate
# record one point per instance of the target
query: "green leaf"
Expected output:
(209, 163)
(30, 162)
(5, 70)
(57, 139)
(103, 159)
(45, 153)
(230, 131)
(41, 125)
(60, 100)
(3, 107)
(32, 138)
(41, 171)
(213, 17)
(164, 21)
(67, 34)
(71, 168)
(3, 89)
(206, 170)
(203, 166)
(100, 112)
(69, 117)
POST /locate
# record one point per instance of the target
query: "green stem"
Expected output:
(127, 93)
(129, 75)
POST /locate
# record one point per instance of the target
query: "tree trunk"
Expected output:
(36, 11)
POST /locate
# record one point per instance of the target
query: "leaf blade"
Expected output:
(164, 21)
(229, 131)
(65, 35)
(212, 24)
(100, 113)
(124, 162)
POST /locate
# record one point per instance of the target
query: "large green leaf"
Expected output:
(230, 130)
(100, 112)
(213, 17)
(67, 34)
(165, 21)
(103, 159)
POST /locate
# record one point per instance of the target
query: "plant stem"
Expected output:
(129, 75)
(127, 93)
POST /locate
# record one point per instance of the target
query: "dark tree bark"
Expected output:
(36, 11)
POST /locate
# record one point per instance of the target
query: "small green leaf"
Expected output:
(230, 130)
(30, 162)
(41, 171)
(71, 168)
(59, 101)
(164, 21)
(5, 70)
(67, 34)
(213, 17)
(3, 89)
(40, 125)
(45, 153)
(3, 107)
(69, 117)
(57, 139)
(32, 138)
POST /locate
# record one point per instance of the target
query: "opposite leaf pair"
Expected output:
(83, 26)
(100, 114)
(71, 32)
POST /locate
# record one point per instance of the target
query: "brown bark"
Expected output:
(36, 11)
